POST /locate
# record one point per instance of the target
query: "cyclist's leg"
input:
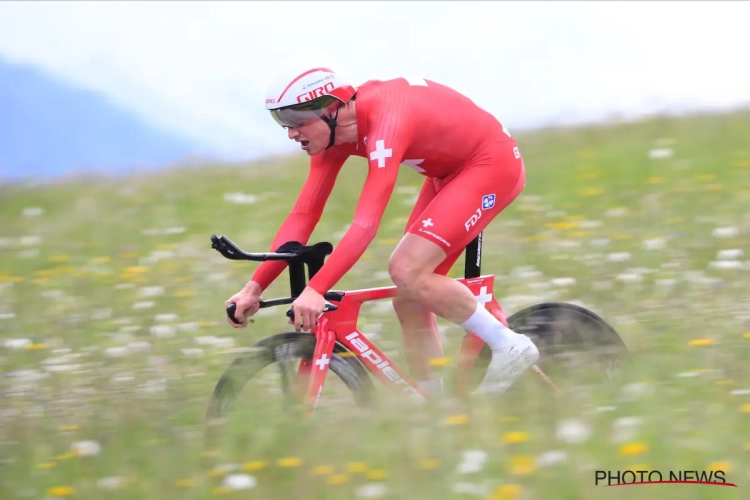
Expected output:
(422, 341)
(419, 331)
(456, 215)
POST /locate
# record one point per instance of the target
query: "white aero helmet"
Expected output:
(297, 99)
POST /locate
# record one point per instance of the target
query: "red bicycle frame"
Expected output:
(341, 326)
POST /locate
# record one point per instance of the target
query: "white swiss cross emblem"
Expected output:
(427, 223)
(322, 362)
(380, 153)
(483, 296)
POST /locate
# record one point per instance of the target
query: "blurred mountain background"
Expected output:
(119, 87)
(49, 127)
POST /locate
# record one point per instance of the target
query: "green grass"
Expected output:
(98, 369)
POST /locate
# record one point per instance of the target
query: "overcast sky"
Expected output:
(202, 68)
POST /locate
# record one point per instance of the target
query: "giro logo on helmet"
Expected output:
(315, 93)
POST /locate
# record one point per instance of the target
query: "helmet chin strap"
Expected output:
(331, 122)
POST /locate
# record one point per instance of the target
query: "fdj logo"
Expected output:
(488, 201)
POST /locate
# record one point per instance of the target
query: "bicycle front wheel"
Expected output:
(286, 351)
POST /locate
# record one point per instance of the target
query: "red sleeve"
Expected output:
(305, 214)
(390, 128)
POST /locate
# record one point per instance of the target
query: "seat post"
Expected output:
(473, 258)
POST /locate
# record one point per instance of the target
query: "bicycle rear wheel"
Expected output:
(286, 350)
(568, 336)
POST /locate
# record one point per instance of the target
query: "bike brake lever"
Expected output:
(328, 307)
(231, 309)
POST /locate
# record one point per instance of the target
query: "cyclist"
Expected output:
(473, 170)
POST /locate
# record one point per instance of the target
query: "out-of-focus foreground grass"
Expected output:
(113, 332)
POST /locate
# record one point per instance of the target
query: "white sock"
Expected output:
(433, 386)
(488, 328)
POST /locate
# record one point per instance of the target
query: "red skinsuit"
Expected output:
(472, 166)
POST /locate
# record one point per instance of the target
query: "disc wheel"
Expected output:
(568, 337)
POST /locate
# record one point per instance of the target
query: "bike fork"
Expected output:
(315, 371)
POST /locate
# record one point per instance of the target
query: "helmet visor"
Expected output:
(304, 113)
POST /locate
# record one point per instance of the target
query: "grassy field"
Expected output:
(113, 334)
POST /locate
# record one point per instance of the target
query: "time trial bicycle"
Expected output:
(336, 344)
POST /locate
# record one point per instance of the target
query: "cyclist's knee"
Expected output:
(412, 262)
(406, 276)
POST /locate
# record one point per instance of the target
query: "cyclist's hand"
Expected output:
(307, 308)
(247, 301)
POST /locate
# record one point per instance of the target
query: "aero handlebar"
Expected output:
(296, 255)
